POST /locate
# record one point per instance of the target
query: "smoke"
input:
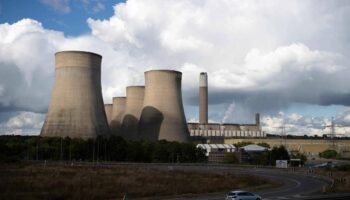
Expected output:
(229, 112)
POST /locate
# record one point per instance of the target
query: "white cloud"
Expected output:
(24, 123)
(25, 120)
(296, 124)
(61, 6)
(262, 56)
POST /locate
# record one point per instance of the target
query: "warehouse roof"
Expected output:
(216, 146)
(253, 147)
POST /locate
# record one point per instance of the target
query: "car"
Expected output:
(242, 195)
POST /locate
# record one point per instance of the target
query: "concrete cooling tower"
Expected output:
(203, 98)
(119, 106)
(134, 103)
(163, 115)
(109, 110)
(76, 109)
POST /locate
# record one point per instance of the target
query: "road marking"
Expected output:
(285, 190)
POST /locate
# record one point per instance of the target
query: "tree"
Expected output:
(279, 153)
(300, 156)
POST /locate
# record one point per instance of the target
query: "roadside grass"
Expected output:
(36, 181)
(341, 177)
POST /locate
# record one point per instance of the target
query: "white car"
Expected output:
(242, 195)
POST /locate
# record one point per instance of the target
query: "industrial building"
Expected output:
(223, 130)
(76, 108)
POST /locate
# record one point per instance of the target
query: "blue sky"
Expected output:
(283, 59)
(72, 22)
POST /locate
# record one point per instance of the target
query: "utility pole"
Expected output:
(332, 136)
(61, 154)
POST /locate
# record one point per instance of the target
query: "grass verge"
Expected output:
(36, 181)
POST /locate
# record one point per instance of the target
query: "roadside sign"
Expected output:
(281, 163)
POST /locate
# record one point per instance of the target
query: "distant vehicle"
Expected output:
(242, 195)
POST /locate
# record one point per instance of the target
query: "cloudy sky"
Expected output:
(287, 59)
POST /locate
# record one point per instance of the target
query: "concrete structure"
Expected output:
(257, 120)
(76, 109)
(134, 104)
(109, 111)
(203, 98)
(119, 107)
(311, 147)
(227, 130)
(163, 115)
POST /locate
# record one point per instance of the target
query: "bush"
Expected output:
(264, 144)
(230, 158)
(242, 144)
(329, 153)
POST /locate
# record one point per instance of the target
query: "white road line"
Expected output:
(285, 190)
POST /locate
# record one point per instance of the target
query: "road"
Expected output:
(294, 185)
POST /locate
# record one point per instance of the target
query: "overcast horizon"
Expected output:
(286, 60)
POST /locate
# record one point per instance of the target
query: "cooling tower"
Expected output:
(134, 103)
(109, 110)
(163, 115)
(203, 98)
(119, 106)
(76, 108)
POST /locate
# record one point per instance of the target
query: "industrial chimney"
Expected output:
(163, 115)
(109, 110)
(134, 103)
(76, 109)
(119, 106)
(203, 98)
(257, 120)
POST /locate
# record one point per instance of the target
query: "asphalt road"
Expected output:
(295, 185)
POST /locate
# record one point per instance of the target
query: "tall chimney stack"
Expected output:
(203, 98)
(257, 119)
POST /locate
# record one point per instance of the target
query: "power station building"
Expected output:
(153, 112)
(76, 109)
(225, 130)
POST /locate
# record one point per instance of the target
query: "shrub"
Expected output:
(329, 153)
(230, 158)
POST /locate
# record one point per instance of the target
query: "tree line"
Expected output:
(115, 148)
